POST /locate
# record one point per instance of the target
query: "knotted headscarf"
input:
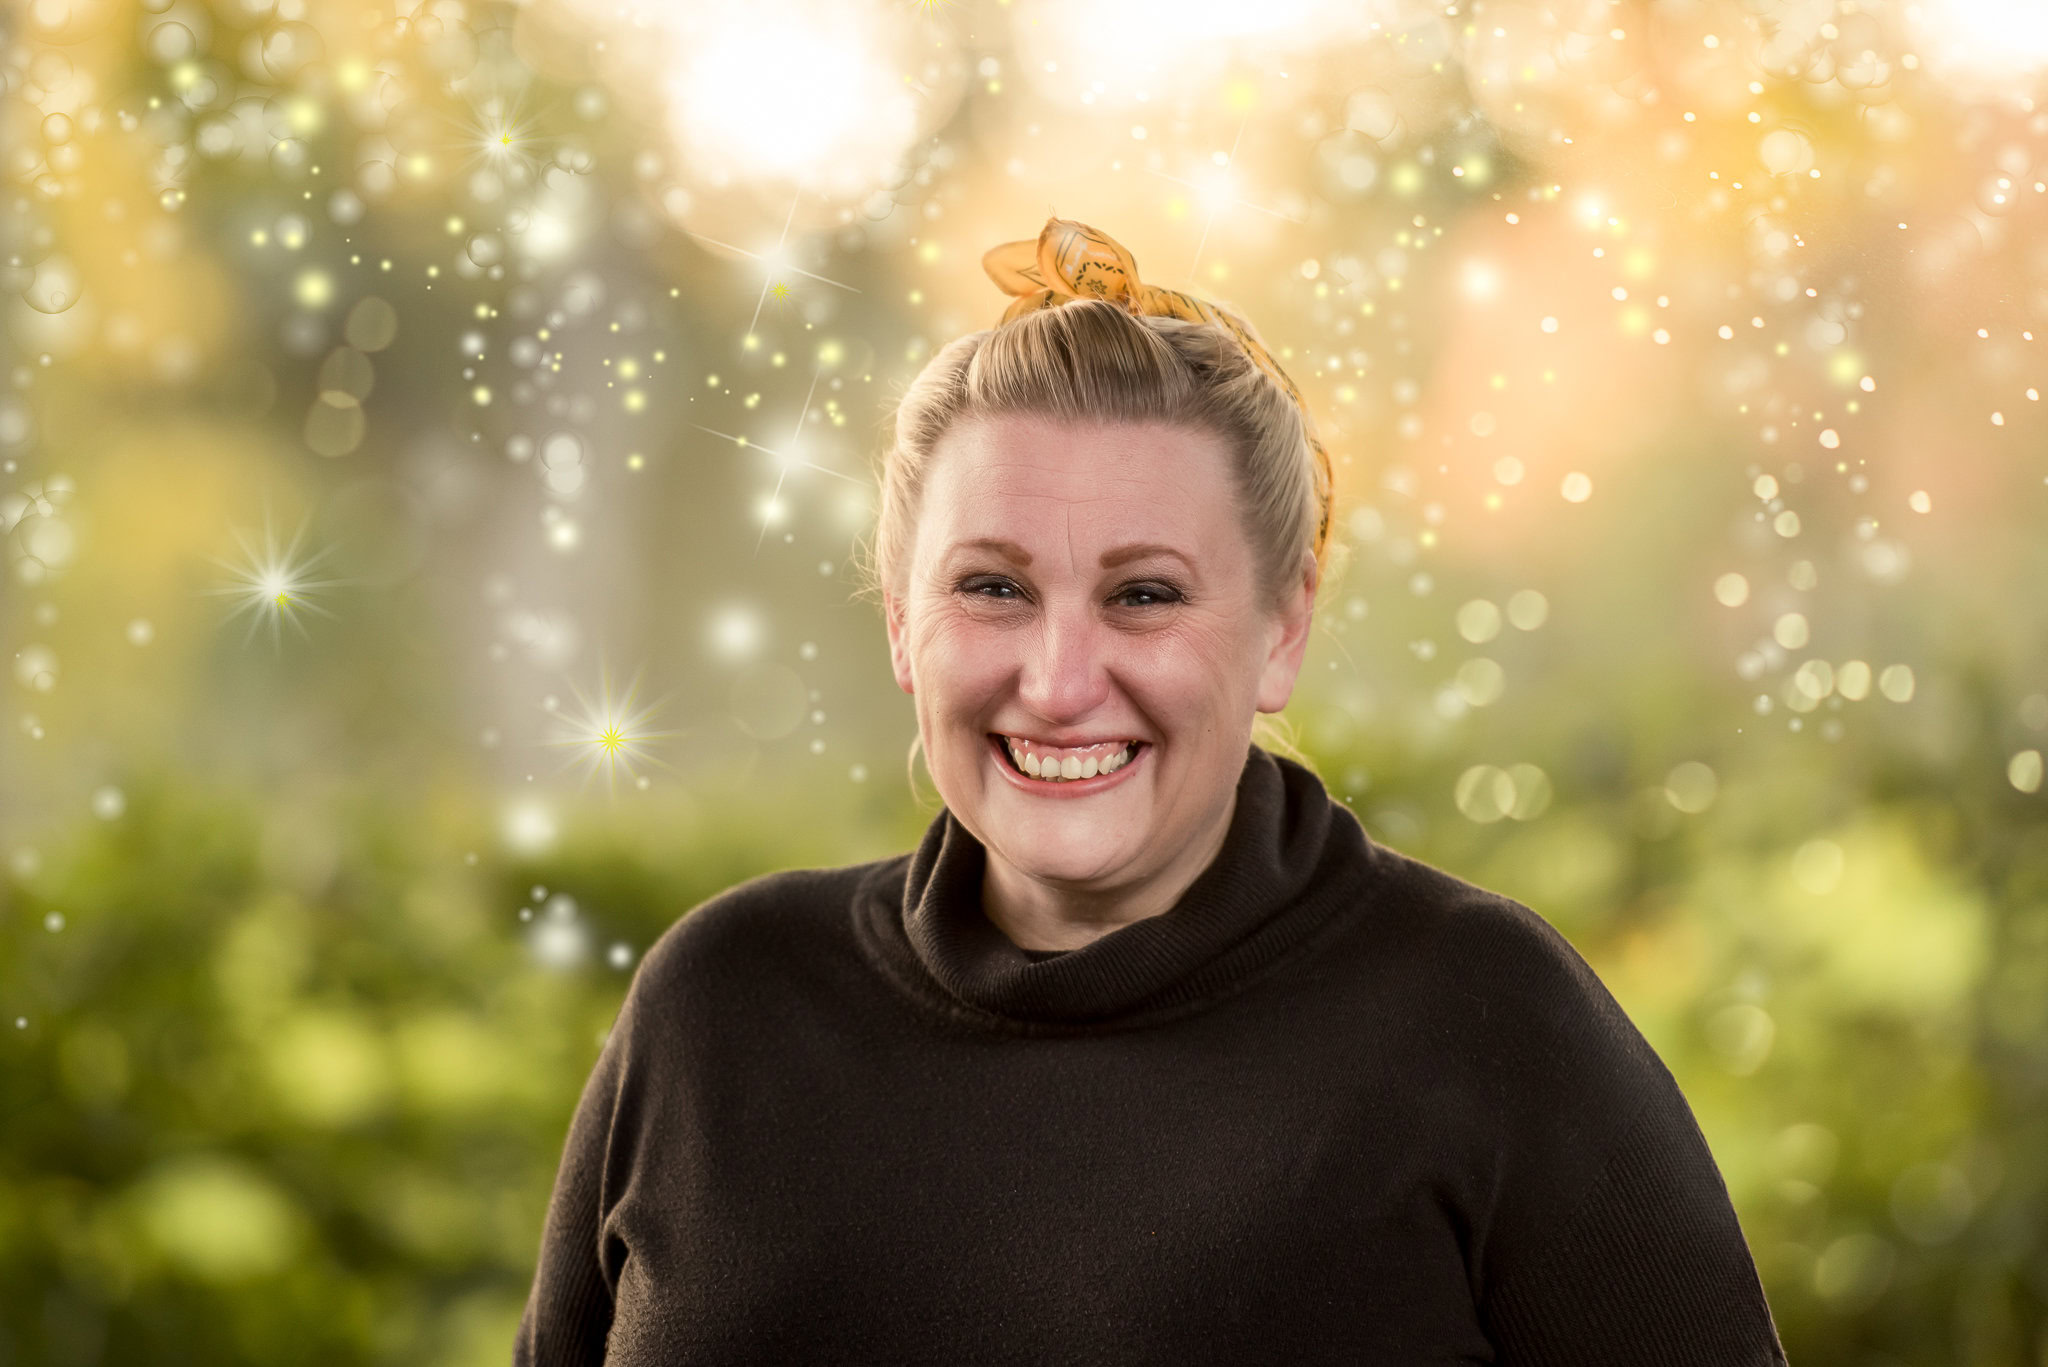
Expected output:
(1071, 260)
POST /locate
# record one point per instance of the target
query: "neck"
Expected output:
(1036, 914)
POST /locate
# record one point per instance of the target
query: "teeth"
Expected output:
(1067, 767)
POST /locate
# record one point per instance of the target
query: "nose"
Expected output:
(1065, 675)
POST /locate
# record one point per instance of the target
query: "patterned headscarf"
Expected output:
(1071, 261)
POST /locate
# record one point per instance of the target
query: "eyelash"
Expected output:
(1166, 593)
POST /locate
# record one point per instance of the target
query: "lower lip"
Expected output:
(1073, 787)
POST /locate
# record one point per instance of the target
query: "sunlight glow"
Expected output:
(767, 90)
(1990, 37)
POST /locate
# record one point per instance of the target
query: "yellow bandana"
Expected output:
(1071, 260)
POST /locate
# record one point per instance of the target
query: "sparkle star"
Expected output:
(773, 508)
(608, 734)
(1217, 190)
(773, 260)
(273, 585)
(502, 136)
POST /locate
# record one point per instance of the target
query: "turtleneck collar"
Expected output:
(1292, 859)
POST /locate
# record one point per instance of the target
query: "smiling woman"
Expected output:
(1146, 1053)
(1073, 590)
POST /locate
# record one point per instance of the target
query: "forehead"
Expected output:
(1133, 477)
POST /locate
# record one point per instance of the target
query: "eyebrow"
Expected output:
(1111, 558)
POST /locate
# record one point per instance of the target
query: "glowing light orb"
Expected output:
(1218, 190)
(1988, 37)
(527, 826)
(549, 234)
(735, 633)
(313, 289)
(788, 90)
(1133, 47)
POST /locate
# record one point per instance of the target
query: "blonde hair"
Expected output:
(1093, 360)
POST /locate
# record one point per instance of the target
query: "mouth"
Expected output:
(1086, 770)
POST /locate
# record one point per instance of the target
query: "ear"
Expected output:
(1288, 641)
(899, 651)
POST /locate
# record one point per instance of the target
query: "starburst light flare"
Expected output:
(774, 263)
(609, 734)
(274, 586)
(500, 134)
(772, 508)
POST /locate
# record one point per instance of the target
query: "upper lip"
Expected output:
(1073, 744)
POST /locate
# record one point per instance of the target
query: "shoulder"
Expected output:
(1524, 1051)
(1480, 929)
(1504, 980)
(769, 922)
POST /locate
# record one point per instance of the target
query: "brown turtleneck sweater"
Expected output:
(1335, 1106)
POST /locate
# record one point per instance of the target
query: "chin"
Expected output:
(1057, 860)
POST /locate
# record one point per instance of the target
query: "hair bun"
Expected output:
(1071, 260)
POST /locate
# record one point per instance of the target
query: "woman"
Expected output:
(1146, 1053)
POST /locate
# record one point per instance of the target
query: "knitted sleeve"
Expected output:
(1650, 1270)
(568, 1311)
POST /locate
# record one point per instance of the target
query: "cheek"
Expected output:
(1194, 672)
(956, 656)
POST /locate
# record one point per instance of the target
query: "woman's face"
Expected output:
(1073, 588)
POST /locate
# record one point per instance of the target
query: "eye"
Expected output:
(1160, 593)
(974, 587)
(999, 590)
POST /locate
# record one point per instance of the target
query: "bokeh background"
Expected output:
(436, 439)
